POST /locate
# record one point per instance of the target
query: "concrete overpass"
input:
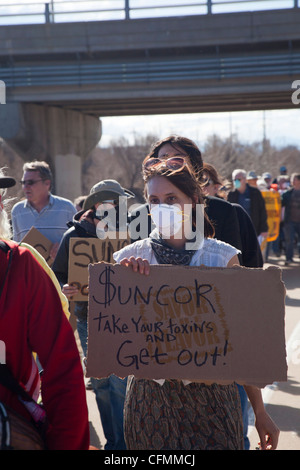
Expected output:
(237, 61)
(61, 78)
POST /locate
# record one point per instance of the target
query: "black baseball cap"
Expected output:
(7, 182)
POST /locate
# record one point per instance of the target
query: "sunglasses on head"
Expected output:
(172, 163)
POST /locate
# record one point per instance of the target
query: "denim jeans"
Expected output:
(290, 230)
(244, 405)
(110, 396)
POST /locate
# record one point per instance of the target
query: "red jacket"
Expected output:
(32, 319)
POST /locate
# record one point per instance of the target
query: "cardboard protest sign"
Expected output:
(83, 251)
(194, 323)
(41, 243)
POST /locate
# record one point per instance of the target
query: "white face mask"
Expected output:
(168, 219)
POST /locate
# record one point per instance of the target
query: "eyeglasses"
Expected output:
(173, 163)
(29, 182)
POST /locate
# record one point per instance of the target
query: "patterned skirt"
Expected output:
(175, 416)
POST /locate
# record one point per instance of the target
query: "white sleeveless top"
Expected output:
(213, 253)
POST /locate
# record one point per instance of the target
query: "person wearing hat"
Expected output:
(35, 322)
(252, 178)
(108, 191)
(91, 222)
(267, 177)
(283, 170)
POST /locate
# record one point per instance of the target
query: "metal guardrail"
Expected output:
(78, 74)
(58, 11)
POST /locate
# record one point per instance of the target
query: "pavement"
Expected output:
(282, 400)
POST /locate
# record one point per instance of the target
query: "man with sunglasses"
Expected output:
(92, 222)
(40, 209)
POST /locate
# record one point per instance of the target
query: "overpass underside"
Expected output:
(186, 98)
(61, 78)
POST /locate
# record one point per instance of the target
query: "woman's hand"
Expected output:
(138, 265)
(267, 431)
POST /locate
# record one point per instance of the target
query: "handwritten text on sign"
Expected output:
(186, 323)
(82, 252)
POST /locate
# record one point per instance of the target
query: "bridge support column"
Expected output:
(68, 176)
(63, 138)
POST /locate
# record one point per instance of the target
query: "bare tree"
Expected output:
(130, 158)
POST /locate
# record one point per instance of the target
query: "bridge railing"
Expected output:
(62, 11)
(225, 68)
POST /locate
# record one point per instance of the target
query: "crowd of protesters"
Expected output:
(40, 347)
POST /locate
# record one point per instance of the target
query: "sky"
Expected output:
(89, 10)
(281, 127)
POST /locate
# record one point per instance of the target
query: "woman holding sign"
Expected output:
(173, 414)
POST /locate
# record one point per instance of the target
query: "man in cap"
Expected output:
(267, 177)
(34, 321)
(102, 212)
(283, 170)
(252, 178)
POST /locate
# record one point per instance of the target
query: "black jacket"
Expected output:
(251, 255)
(258, 211)
(77, 228)
(225, 221)
(234, 226)
(286, 202)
